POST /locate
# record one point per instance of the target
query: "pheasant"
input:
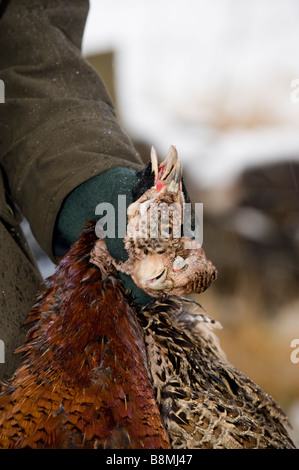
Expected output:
(204, 401)
(85, 380)
(161, 257)
(100, 371)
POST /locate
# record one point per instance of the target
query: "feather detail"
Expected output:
(84, 381)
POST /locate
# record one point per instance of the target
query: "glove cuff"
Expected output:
(80, 206)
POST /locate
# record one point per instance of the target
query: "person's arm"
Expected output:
(58, 126)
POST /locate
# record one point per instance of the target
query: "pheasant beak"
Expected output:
(168, 174)
(157, 278)
(151, 273)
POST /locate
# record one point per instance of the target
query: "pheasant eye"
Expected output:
(179, 264)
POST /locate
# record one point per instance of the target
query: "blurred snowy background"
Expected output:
(213, 77)
(219, 79)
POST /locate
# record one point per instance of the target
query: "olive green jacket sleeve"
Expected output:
(57, 126)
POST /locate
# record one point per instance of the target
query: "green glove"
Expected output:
(80, 205)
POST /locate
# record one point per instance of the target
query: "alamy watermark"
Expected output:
(295, 93)
(295, 352)
(154, 221)
(2, 91)
(2, 352)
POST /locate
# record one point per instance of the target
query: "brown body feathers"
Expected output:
(84, 382)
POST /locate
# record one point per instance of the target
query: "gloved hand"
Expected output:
(79, 207)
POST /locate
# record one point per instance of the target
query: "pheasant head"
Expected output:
(161, 259)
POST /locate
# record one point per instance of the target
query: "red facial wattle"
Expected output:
(159, 185)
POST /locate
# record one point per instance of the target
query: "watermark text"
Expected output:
(2, 352)
(153, 221)
(295, 93)
(2, 91)
(295, 353)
